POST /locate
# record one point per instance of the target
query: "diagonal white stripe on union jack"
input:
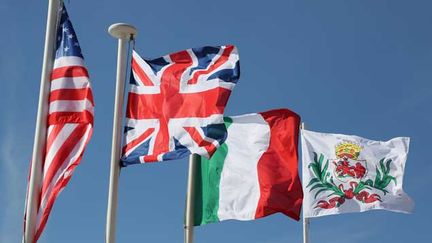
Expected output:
(176, 103)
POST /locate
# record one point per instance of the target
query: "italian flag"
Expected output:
(254, 173)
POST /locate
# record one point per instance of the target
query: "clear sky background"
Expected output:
(352, 67)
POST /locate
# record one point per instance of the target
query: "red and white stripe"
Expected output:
(70, 126)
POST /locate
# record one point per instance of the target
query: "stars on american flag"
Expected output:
(67, 43)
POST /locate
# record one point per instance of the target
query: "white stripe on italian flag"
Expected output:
(254, 173)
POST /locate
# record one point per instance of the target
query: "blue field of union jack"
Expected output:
(176, 103)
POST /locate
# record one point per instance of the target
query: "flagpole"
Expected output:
(190, 197)
(35, 180)
(305, 230)
(124, 33)
(305, 220)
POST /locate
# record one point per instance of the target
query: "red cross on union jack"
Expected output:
(176, 103)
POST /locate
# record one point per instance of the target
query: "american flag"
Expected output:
(176, 103)
(70, 118)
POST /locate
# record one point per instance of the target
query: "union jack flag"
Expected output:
(70, 119)
(176, 103)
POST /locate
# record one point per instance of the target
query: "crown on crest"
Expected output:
(348, 149)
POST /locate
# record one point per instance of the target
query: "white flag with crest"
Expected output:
(343, 173)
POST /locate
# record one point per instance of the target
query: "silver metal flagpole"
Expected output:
(35, 180)
(124, 33)
(305, 220)
(305, 230)
(190, 197)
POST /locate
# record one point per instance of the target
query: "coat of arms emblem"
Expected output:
(346, 177)
(347, 165)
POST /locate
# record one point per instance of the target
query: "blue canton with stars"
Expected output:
(67, 42)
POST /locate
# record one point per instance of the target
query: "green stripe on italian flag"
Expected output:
(254, 173)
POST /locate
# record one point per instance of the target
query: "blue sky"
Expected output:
(353, 67)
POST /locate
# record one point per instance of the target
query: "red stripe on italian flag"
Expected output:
(254, 173)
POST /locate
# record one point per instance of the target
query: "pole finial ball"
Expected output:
(122, 30)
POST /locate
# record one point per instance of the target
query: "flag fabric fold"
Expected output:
(70, 118)
(176, 103)
(254, 173)
(345, 173)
